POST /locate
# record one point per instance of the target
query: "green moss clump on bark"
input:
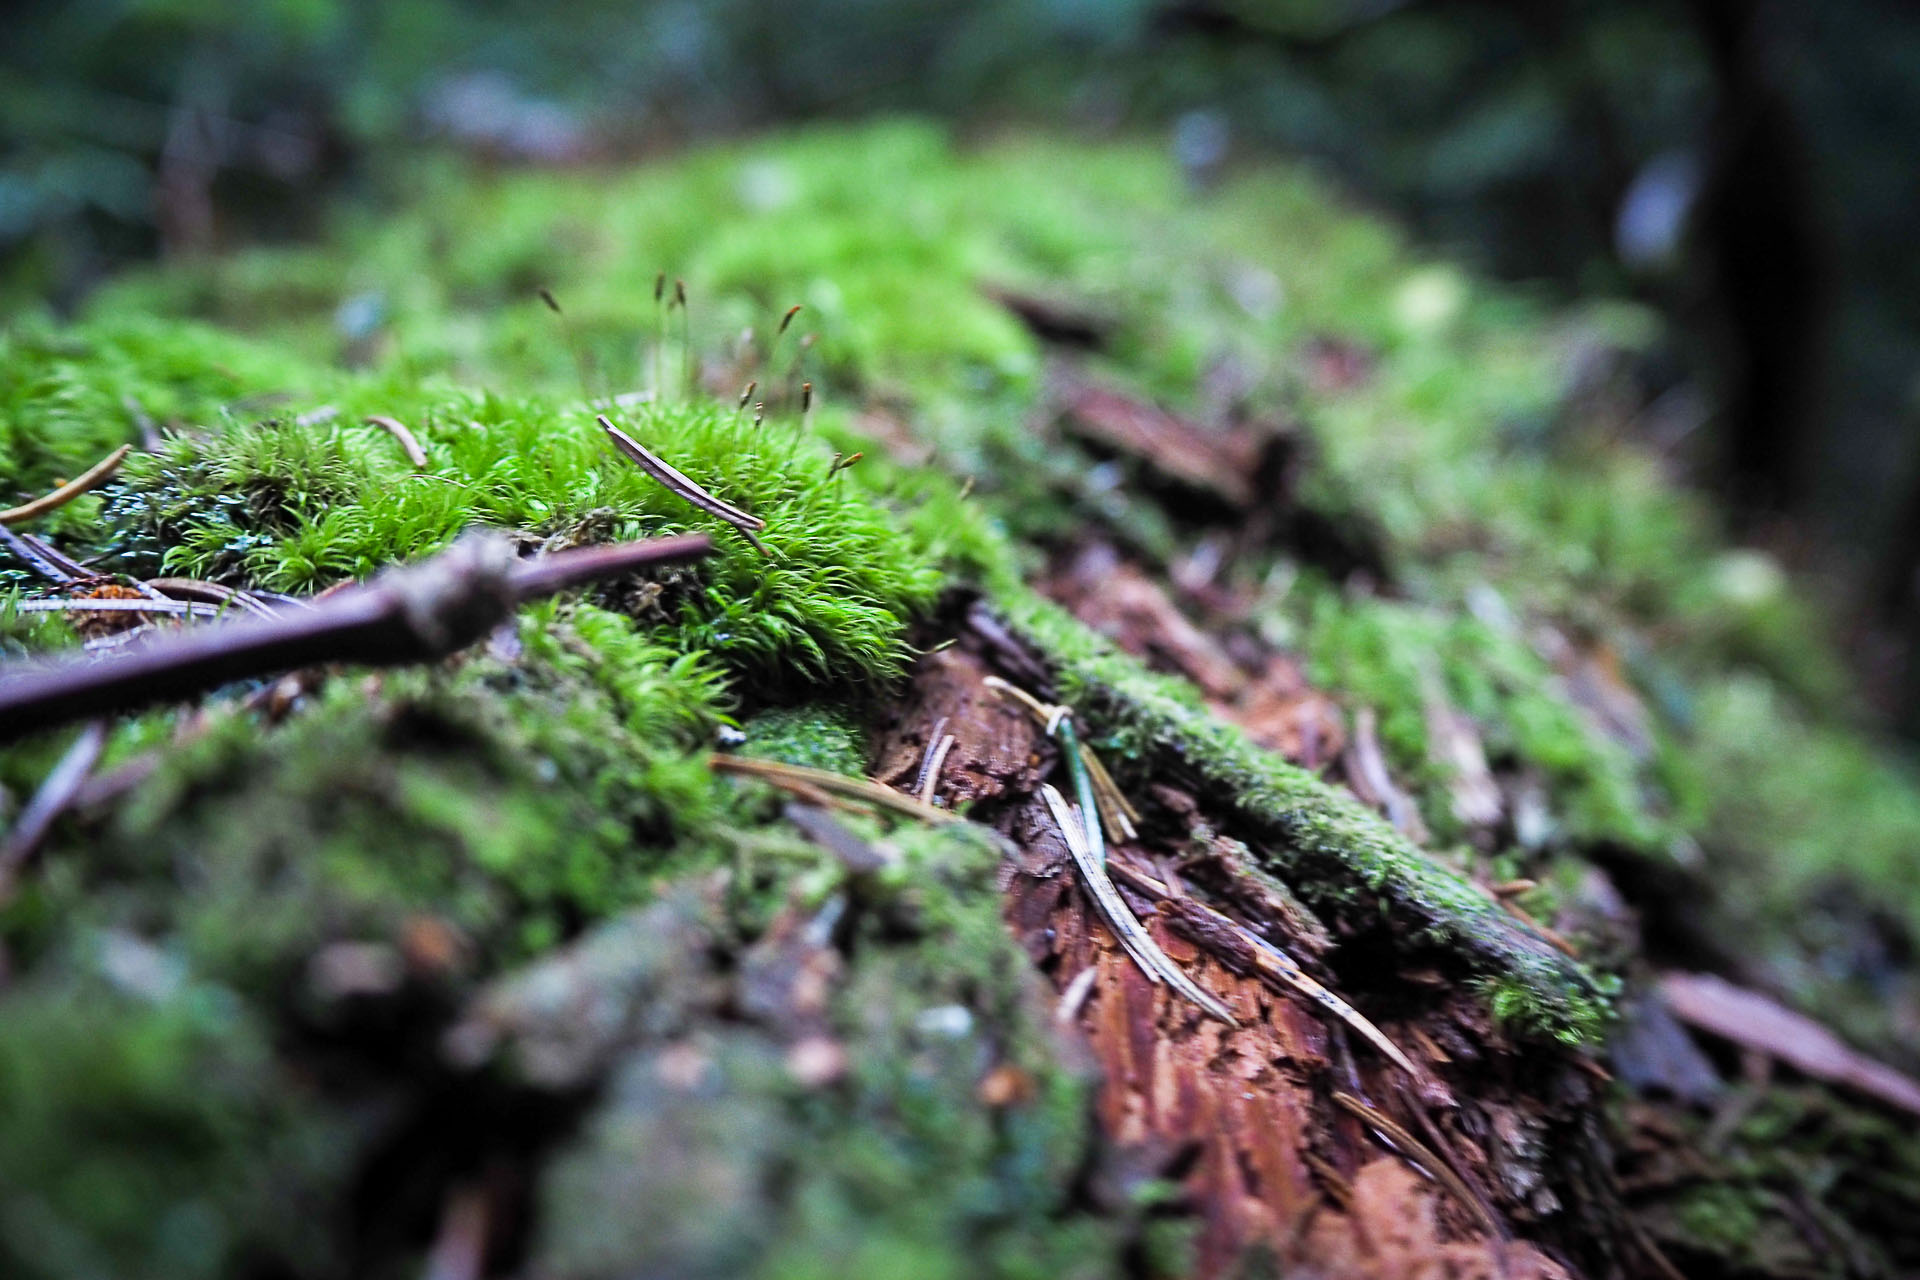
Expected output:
(1342, 859)
(817, 735)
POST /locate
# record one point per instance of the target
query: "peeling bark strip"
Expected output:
(1093, 873)
(416, 613)
(1242, 1118)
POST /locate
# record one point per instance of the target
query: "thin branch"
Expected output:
(415, 613)
(98, 474)
(409, 443)
(56, 793)
(792, 776)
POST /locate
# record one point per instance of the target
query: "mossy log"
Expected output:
(1448, 706)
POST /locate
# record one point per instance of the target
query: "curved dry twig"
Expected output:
(98, 474)
(409, 443)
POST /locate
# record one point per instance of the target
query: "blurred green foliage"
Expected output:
(1573, 141)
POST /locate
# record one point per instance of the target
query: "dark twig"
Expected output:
(59, 557)
(46, 566)
(56, 565)
(48, 803)
(213, 593)
(416, 613)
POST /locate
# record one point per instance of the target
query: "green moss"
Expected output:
(1398, 658)
(1720, 1218)
(146, 1129)
(522, 798)
(818, 735)
(290, 507)
(68, 397)
(895, 1167)
(512, 800)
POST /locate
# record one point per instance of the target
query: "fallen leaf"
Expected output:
(1758, 1022)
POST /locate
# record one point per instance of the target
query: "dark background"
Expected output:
(1748, 168)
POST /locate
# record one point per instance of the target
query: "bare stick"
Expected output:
(98, 474)
(416, 613)
(409, 444)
